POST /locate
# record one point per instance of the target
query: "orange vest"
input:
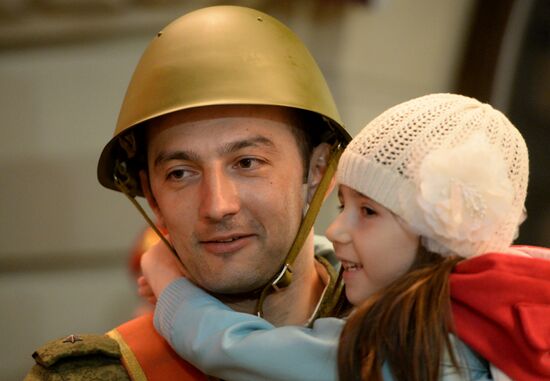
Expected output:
(148, 357)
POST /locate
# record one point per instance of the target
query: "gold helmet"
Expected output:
(222, 55)
(218, 55)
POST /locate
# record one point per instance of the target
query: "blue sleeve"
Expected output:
(471, 366)
(238, 346)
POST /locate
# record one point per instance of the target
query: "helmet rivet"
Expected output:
(260, 19)
(159, 34)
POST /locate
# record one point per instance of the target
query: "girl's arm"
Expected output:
(238, 346)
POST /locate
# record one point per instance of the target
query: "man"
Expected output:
(229, 130)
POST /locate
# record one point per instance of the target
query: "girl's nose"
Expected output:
(338, 231)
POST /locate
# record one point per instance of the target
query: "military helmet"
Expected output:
(221, 55)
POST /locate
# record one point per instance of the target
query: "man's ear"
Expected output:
(317, 168)
(147, 192)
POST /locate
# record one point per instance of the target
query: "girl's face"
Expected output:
(374, 246)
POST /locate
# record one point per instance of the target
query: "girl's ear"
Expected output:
(148, 193)
(317, 168)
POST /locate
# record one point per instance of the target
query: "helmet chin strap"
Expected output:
(283, 277)
(121, 185)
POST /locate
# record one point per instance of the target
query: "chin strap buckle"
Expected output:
(283, 279)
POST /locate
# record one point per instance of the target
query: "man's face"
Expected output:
(227, 185)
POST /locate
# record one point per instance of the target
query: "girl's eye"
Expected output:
(368, 211)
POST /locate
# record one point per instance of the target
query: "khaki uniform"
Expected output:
(136, 348)
(76, 358)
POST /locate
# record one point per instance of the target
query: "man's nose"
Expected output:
(338, 231)
(220, 197)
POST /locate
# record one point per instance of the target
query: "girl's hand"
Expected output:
(145, 290)
(159, 267)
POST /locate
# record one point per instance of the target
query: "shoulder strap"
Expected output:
(148, 357)
(78, 357)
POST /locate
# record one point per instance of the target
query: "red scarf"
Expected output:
(501, 308)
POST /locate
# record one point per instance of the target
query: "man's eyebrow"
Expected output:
(176, 155)
(255, 141)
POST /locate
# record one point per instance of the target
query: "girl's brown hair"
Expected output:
(406, 325)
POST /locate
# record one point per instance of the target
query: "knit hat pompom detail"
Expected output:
(453, 168)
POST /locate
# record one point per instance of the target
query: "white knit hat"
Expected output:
(453, 168)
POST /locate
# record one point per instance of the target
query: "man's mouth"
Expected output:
(227, 244)
(351, 266)
(224, 240)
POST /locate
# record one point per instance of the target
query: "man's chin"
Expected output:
(237, 289)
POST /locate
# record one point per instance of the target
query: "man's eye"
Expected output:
(177, 174)
(245, 163)
(248, 163)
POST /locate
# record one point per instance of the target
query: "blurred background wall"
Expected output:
(64, 68)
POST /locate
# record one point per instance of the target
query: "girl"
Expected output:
(432, 194)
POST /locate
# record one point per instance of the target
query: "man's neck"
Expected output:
(296, 303)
